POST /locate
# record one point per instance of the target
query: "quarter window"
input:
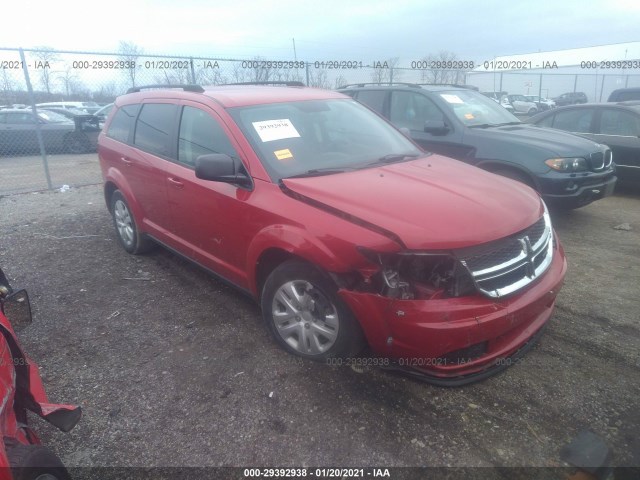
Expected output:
(200, 134)
(373, 99)
(122, 122)
(153, 128)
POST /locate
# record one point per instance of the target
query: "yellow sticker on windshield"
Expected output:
(283, 154)
(469, 116)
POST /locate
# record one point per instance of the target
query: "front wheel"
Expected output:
(306, 316)
(35, 462)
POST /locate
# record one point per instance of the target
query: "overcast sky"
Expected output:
(323, 30)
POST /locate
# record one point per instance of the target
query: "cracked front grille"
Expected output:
(505, 266)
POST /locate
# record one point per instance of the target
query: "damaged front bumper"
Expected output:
(455, 341)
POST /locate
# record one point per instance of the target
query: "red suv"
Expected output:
(343, 230)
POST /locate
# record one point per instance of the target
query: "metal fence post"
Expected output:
(306, 67)
(32, 101)
(602, 86)
(193, 72)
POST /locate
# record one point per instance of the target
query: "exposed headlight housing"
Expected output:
(569, 165)
(419, 275)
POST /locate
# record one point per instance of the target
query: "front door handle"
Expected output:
(126, 161)
(175, 183)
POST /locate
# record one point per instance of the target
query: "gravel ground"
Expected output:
(173, 368)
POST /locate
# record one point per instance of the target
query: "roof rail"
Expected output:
(287, 84)
(459, 85)
(185, 87)
(381, 84)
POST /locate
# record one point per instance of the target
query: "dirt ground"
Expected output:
(172, 368)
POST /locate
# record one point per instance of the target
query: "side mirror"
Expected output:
(405, 131)
(220, 167)
(18, 309)
(436, 127)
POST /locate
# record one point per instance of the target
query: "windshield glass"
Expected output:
(473, 108)
(50, 116)
(318, 136)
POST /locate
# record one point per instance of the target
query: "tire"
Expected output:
(35, 462)
(532, 111)
(513, 175)
(76, 143)
(125, 224)
(306, 316)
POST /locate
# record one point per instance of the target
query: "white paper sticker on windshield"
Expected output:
(451, 98)
(270, 130)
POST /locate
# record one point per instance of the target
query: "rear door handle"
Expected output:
(126, 161)
(175, 182)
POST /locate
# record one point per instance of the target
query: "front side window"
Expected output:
(21, 118)
(200, 134)
(619, 122)
(153, 128)
(312, 136)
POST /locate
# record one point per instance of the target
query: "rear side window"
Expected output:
(546, 121)
(201, 134)
(578, 120)
(373, 99)
(122, 122)
(153, 128)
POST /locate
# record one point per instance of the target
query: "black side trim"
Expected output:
(472, 377)
(214, 274)
(339, 213)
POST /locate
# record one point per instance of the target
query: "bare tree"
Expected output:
(45, 57)
(129, 53)
(340, 81)
(318, 78)
(442, 75)
(7, 86)
(384, 71)
(70, 82)
(107, 93)
(210, 76)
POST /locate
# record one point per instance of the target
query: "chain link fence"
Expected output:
(53, 103)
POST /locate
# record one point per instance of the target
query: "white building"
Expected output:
(596, 71)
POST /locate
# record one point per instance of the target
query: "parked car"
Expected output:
(624, 95)
(568, 171)
(18, 133)
(520, 104)
(87, 107)
(497, 97)
(338, 225)
(102, 114)
(616, 125)
(22, 456)
(570, 98)
(85, 120)
(543, 104)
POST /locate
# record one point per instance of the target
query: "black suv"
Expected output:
(452, 120)
(625, 95)
(570, 98)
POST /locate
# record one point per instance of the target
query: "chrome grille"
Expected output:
(505, 266)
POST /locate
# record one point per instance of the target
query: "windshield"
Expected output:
(53, 117)
(320, 136)
(473, 108)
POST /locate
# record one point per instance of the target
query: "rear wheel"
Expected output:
(126, 229)
(532, 111)
(306, 316)
(35, 462)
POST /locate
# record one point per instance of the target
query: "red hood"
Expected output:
(430, 203)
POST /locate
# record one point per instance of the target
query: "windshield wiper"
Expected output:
(392, 158)
(316, 172)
